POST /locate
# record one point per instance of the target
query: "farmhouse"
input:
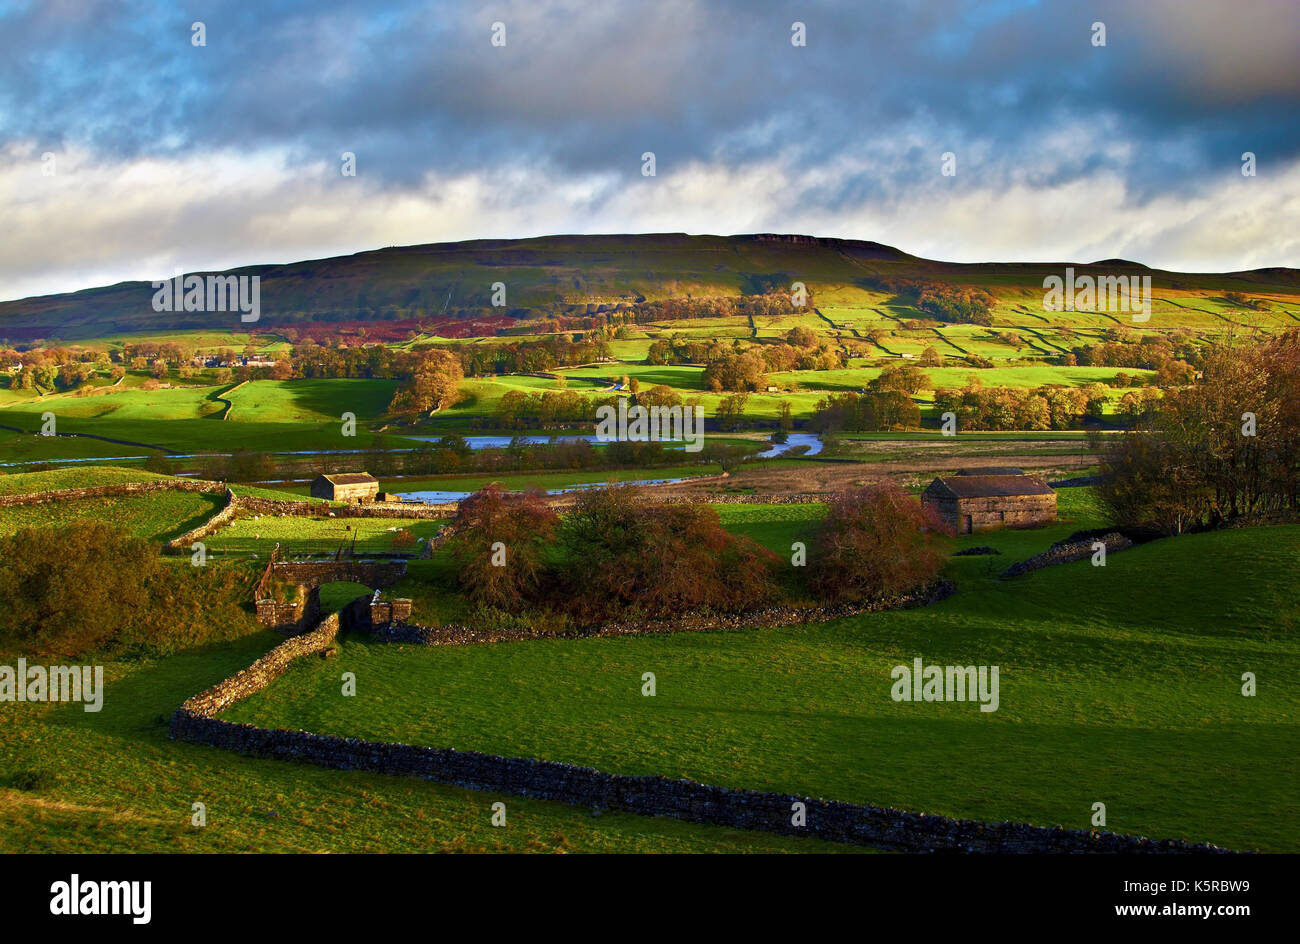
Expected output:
(987, 499)
(351, 487)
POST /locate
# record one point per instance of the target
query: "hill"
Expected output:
(446, 288)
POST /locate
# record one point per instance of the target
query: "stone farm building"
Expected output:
(350, 487)
(987, 499)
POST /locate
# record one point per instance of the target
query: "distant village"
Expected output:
(199, 360)
(212, 360)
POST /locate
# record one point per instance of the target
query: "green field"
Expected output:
(191, 416)
(155, 516)
(270, 415)
(298, 535)
(72, 781)
(85, 476)
(511, 481)
(1119, 684)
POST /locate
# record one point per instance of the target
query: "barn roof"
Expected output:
(350, 478)
(992, 486)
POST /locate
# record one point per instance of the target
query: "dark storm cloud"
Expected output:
(175, 156)
(584, 88)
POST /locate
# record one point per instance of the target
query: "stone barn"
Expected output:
(987, 499)
(355, 488)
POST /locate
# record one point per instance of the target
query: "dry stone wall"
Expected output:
(99, 491)
(397, 510)
(772, 617)
(261, 673)
(196, 721)
(212, 525)
(1067, 551)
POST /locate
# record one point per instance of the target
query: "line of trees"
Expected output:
(865, 412)
(1000, 408)
(1224, 449)
(548, 409)
(614, 556)
(952, 304)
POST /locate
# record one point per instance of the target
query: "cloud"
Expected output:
(214, 153)
(97, 222)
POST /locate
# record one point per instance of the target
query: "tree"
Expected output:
(659, 395)
(799, 336)
(903, 379)
(69, 590)
(627, 557)
(736, 372)
(248, 466)
(434, 383)
(500, 544)
(1175, 373)
(875, 544)
(731, 410)
(868, 412)
(786, 422)
(159, 463)
(1224, 448)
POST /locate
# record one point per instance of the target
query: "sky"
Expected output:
(130, 151)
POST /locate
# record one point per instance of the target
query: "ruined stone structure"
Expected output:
(986, 499)
(351, 487)
(302, 613)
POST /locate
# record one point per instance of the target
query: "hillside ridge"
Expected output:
(550, 276)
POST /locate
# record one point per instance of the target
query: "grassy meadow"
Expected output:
(73, 781)
(155, 516)
(1119, 684)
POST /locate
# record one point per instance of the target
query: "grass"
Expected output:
(334, 596)
(1119, 684)
(517, 481)
(86, 476)
(298, 535)
(72, 782)
(268, 415)
(155, 516)
(279, 493)
(1019, 375)
(309, 401)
